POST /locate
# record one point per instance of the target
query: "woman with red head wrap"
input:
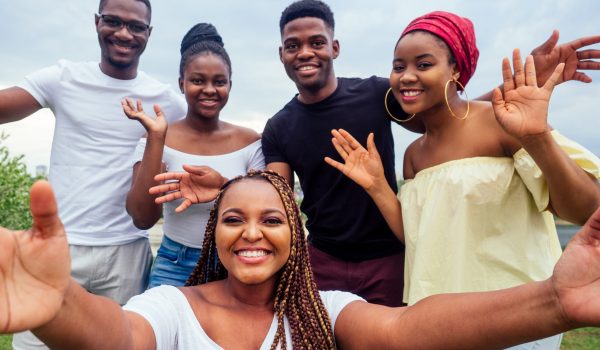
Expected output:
(483, 181)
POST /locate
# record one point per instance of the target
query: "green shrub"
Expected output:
(14, 189)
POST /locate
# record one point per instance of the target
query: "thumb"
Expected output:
(555, 77)
(590, 233)
(196, 169)
(497, 100)
(158, 111)
(548, 45)
(44, 209)
(371, 146)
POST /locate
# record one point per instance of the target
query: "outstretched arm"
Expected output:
(196, 184)
(487, 320)
(364, 167)
(523, 113)
(37, 293)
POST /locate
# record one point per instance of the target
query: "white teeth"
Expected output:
(411, 93)
(252, 253)
(306, 68)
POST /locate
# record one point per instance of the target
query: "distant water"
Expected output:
(565, 232)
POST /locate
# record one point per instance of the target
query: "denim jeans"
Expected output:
(173, 264)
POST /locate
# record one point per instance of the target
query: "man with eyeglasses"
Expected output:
(90, 164)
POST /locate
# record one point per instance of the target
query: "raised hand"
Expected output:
(156, 126)
(547, 56)
(34, 266)
(523, 110)
(576, 277)
(197, 184)
(362, 165)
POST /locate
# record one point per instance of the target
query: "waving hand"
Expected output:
(548, 55)
(523, 110)
(197, 184)
(34, 266)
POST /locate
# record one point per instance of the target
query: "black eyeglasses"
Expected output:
(114, 22)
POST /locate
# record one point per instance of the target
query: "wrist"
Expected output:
(379, 188)
(537, 140)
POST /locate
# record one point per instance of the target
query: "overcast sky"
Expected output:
(37, 33)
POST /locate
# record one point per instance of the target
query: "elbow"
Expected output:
(141, 219)
(143, 224)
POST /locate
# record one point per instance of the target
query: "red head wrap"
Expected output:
(457, 32)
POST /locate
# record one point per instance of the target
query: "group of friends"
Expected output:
(465, 256)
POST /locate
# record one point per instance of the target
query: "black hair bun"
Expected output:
(200, 32)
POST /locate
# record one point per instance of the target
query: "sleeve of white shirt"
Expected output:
(138, 154)
(42, 84)
(159, 307)
(256, 160)
(335, 301)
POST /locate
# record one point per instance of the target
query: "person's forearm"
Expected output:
(16, 104)
(574, 194)
(478, 320)
(140, 204)
(389, 206)
(87, 321)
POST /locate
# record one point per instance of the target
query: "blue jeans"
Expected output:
(173, 264)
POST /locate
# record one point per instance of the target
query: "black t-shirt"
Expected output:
(343, 220)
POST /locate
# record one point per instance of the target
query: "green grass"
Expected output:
(581, 339)
(5, 342)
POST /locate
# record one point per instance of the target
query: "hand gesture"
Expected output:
(34, 266)
(523, 111)
(197, 184)
(547, 56)
(362, 165)
(154, 126)
(576, 277)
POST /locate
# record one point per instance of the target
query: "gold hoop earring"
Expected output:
(390, 113)
(448, 104)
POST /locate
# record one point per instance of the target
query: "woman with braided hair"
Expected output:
(262, 295)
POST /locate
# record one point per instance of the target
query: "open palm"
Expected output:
(576, 276)
(523, 110)
(548, 55)
(135, 111)
(34, 266)
(362, 165)
(197, 184)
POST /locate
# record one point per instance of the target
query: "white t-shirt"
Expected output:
(176, 327)
(90, 162)
(188, 227)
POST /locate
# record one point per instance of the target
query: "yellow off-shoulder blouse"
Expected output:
(480, 224)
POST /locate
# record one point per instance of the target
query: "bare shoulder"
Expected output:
(244, 134)
(490, 130)
(411, 153)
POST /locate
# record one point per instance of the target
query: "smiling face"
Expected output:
(206, 84)
(307, 53)
(120, 49)
(421, 68)
(252, 236)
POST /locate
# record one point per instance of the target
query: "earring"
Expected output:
(390, 113)
(448, 104)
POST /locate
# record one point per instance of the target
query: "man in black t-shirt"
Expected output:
(352, 248)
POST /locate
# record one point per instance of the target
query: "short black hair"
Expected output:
(202, 38)
(146, 2)
(307, 8)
